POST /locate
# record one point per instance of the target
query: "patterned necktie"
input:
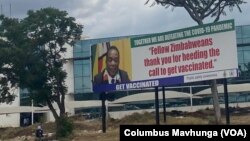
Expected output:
(113, 81)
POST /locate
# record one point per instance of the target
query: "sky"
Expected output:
(112, 18)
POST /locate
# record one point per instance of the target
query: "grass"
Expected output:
(91, 130)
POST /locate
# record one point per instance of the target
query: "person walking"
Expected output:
(39, 133)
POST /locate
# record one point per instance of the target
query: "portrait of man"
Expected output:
(112, 74)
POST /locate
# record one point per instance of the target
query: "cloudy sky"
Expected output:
(110, 18)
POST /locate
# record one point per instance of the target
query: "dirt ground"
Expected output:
(91, 130)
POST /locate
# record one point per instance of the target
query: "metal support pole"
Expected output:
(164, 103)
(157, 106)
(226, 102)
(32, 112)
(103, 98)
(191, 98)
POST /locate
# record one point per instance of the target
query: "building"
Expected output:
(80, 86)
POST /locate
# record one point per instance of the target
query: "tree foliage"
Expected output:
(35, 47)
(49, 30)
(8, 78)
(202, 9)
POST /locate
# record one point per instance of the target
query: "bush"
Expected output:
(64, 127)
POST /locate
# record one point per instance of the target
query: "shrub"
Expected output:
(64, 127)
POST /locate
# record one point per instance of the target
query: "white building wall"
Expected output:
(49, 116)
(12, 119)
(69, 68)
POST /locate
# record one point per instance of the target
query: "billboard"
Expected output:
(186, 55)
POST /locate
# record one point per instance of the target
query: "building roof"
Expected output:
(151, 96)
(232, 88)
(88, 104)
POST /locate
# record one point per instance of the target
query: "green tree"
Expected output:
(8, 79)
(199, 10)
(40, 40)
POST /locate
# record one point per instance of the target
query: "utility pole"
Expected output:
(32, 112)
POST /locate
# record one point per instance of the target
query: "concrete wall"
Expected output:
(13, 119)
(69, 68)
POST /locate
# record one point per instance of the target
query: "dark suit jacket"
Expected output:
(98, 79)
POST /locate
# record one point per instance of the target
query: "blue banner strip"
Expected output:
(139, 84)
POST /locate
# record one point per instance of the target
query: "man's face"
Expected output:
(112, 62)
